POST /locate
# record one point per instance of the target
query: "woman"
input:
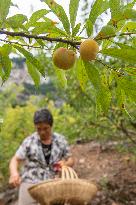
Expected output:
(39, 154)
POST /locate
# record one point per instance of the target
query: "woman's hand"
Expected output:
(15, 179)
(62, 163)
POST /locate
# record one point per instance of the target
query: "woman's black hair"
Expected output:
(43, 115)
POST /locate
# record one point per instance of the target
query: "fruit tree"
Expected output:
(76, 45)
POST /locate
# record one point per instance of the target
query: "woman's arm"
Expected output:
(14, 171)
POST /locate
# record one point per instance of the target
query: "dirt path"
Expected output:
(114, 173)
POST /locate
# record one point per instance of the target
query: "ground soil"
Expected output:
(113, 172)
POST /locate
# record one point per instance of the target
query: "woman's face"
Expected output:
(44, 130)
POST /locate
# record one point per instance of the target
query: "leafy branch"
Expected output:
(70, 42)
(30, 36)
(24, 45)
(114, 35)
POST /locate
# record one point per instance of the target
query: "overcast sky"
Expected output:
(26, 6)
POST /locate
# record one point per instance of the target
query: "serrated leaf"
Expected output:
(76, 29)
(97, 9)
(130, 70)
(106, 31)
(16, 21)
(40, 42)
(129, 26)
(81, 74)
(130, 5)
(103, 96)
(47, 27)
(30, 58)
(60, 44)
(120, 95)
(123, 46)
(128, 84)
(127, 54)
(4, 10)
(60, 13)
(115, 7)
(33, 73)
(61, 75)
(1, 72)
(129, 14)
(5, 49)
(93, 74)
(106, 43)
(6, 66)
(5, 61)
(36, 16)
(73, 7)
(89, 27)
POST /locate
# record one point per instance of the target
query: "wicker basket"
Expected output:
(69, 189)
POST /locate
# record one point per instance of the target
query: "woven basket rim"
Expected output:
(59, 180)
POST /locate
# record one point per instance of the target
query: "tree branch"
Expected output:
(70, 42)
(29, 36)
(24, 45)
(114, 35)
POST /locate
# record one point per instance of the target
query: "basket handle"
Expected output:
(68, 173)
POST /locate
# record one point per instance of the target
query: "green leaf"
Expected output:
(89, 27)
(47, 27)
(129, 26)
(116, 10)
(4, 10)
(106, 43)
(106, 31)
(36, 16)
(40, 42)
(97, 9)
(31, 59)
(5, 49)
(76, 29)
(130, 70)
(93, 74)
(60, 44)
(129, 14)
(127, 54)
(130, 5)
(81, 74)
(60, 13)
(124, 46)
(1, 72)
(16, 21)
(103, 97)
(111, 77)
(73, 7)
(120, 94)
(5, 63)
(128, 84)
(61, 75)
(33, 73)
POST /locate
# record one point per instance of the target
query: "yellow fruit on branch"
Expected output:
(88, 50)
(64, 58)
